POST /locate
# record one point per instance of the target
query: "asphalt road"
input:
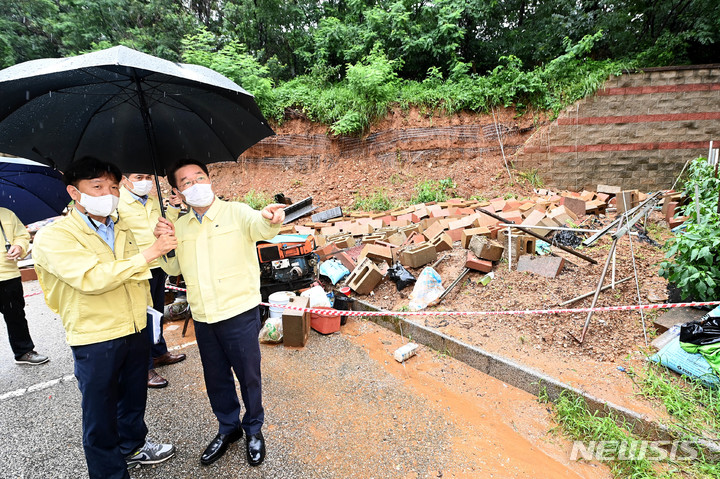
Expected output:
(339, 408)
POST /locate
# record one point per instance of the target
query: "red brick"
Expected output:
(439, 213)
(386, 219)
(455, 235)
(476, 264)
(346, 260)
(327, 250)
(670, 210)
(575, 205)
(511, 205)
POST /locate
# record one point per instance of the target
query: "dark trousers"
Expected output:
(112, 378)
(157, 291)
(227, 346)
(12, 307)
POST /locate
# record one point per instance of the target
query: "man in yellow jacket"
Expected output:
(95, 277)
(217, 257)
(12, 303)
(140, 211)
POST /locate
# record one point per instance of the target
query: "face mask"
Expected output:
(99, 205)
(199, 194)
(142, 188)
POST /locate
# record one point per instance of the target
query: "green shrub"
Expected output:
(377, 201)
(257, 200)
(693, 255)
(431, 190)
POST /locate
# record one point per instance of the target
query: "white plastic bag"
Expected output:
(428, 288)
(318, 297)
(271, 332)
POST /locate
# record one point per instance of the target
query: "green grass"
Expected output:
(576, 420)
(257, 200)
(693, 408)
(532, 177)
(375, 202)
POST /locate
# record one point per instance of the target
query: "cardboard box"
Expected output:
(296, 324)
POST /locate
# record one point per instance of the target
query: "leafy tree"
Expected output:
(232, 60)
(26, 31)
(153, 26)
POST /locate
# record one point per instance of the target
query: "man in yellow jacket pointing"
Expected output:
(95, 277)
(218, 259)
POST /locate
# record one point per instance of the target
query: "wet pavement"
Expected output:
(340, 407)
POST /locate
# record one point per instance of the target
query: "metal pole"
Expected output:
(583, 296)
(597, 291)
(509, 248)
(637, 287)
(532, 233)
(147, 123)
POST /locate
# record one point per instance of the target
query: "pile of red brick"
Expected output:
(368, 243)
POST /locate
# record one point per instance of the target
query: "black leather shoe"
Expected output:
(218, 446)
(255, 448)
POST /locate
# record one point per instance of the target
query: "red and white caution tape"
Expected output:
(335, 312)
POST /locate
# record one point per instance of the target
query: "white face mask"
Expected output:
(199, 195)
(99, 205)
(142, 188)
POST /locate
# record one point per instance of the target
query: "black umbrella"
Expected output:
(33, 192)
(138, 111)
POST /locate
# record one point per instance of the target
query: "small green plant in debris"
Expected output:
(692, 260)
(532, 177)
(431, 190)
(508, 195)
(478, 198)
(377, 201)
(396, 179)
(257, 200)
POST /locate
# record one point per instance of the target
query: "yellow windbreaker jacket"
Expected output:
(16, 234)
(141, 219)
(218, 259)
(99, 295)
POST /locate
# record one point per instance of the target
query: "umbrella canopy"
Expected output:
(126, 107)
(32, 192)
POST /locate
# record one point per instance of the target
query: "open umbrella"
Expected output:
(33, 192)
(138, 111)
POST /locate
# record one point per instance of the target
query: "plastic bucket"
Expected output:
(324, 323)
(279, 298)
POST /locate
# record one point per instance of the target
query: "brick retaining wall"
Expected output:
(636, 132)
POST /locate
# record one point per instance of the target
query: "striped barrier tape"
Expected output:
(337, 312)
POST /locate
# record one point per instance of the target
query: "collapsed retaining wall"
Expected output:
(636, 132)
(410, 145)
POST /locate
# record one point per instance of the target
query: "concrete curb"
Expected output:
(523, 377)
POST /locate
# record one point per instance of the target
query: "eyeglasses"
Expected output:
(198, 179)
